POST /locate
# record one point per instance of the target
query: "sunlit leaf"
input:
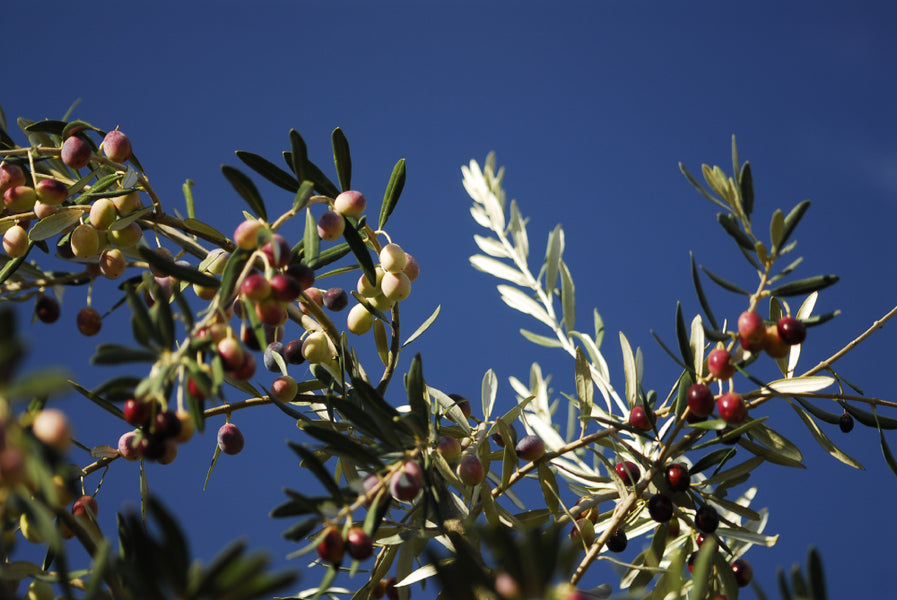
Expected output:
(55, 224)
(553, 256)
(801, 385)
(568, 298)
(518, 300)
(489, 393)
(498, 269)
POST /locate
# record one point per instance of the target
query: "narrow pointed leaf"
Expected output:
(298, 157)
(114, 354)
(393, 191)
(317, 468)
(685, 350)
(776, 229)
(54, 224)
(549, 485)
(746, 183)
(824, 441)
(98, 400)
(584, 387)
(867, 418)
(188, 274)
(310, 240)
(723, 283)
(804, 286)
(541, 340)
(822, 415)
(341, 158)
(801, 385)
(553, 256)
(518, 300)
(498, 269)
(268, 170)
(423, 327)
(568, 298)
(699, 290)
(303, 194)
(361, 251)
(816, 575)
(700, 187)
(414, 384)
(203, 230)
(793, 219)
(730, 224)
(488, 393)
(629, 371)
(246, 189)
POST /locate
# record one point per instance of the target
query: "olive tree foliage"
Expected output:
(412, 486)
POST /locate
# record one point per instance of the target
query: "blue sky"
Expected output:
(590, 106)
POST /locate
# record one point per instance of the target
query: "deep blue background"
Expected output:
(590, 106)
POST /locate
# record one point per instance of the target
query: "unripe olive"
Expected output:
(187, 428)
(216, 261)
(42, 210)
(392, 258)
(350, 203)
(112, 263)
(382, 303)
(39, 590)
(117, 146)
(775, 345)
(51, 426)
(395, 286)
(246, 234)
(129, 446)
(128, 203)
(412, 269)
(19, 199)
(126, 237)
(15, 241)
(366, 288)
(331, 226)
(29, 529)
(360, 320)
(11, 176)
(85, 241)
(76, 152)
(51, 191)
(102, 213)
(284, 388)
(316, 348)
